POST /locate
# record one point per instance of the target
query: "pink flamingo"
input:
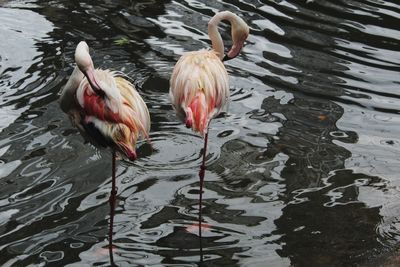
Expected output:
(106, 109)
(199, 87)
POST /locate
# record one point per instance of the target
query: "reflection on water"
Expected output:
(302, 170)
(18, 82)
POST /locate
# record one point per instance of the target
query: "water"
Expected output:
(302, 170)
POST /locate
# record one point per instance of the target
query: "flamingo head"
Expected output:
(85, 64)
(125, 139)
(239, 32)
(131, 155)
(197, 113)
(128, 152)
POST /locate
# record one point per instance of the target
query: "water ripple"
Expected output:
(307, 150)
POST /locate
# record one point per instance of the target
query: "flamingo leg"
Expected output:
(201, 249)
(112, 209)
(201, 175)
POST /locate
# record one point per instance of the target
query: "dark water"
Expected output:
(303, 170)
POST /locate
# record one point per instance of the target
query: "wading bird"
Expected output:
(106, 109)
(199, 87)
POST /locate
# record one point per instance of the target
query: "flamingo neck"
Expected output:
(213, 33)
(69, 90)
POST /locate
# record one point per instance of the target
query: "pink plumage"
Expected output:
(107, 110)
(199, 86)
(104, 106)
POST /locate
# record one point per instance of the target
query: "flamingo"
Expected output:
(106, 109)
(199, 87)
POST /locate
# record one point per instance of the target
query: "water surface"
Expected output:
(302, 171)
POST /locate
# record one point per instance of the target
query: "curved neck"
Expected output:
(215, 37)
(68, 93)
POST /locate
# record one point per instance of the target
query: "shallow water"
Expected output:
(303, 170)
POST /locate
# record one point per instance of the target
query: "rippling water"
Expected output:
(303, 170)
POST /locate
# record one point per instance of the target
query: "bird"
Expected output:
(106, 109)
(199, 84)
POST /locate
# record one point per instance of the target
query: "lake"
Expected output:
(303, 169)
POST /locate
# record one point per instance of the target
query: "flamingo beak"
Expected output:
(189, 123)
(89, 73)
(235, 50)
(226, 58)
(127, 148)
(131, 155)
(189, 118)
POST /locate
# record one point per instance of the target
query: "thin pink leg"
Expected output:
(201, 175)
(112, 209)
